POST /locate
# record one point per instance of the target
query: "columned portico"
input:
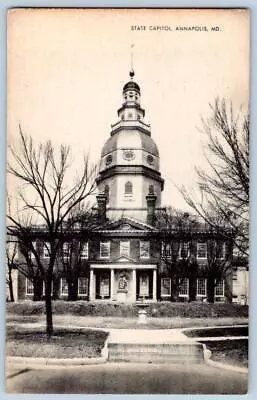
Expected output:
(123, 282)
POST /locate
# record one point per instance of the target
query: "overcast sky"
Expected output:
(66, 70)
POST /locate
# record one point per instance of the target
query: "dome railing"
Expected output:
(135, 122)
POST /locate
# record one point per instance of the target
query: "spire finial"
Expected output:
(131, 72)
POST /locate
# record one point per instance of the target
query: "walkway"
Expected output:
(147, 336)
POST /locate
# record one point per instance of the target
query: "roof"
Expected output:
(131, 85)
(132, 139)
(125, 225)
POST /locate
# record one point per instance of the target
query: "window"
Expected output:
(184, 250)
(84, 251)
(219, 289)
(105, 249)
(108, 159)
(201, 287)
(165, 287)
(124, 248)
(76, 226)
(46, 249)
(66, 249)
(151, 189)
(29, 287)
(184, 288)
(82, 286)
(107, 193)
(64, 286)
(221, 250)
(144, 249)
(128, 188)
(201, 250)
(166, 250)
(234, 274)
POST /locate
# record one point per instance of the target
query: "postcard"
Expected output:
(127, 201)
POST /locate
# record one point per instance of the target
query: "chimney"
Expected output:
(101, 206)
(151, 204)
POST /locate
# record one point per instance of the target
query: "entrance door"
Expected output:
(103, 284)
(144, 284)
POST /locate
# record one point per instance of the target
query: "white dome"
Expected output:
(130, 139)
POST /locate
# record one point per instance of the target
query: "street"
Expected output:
(125, 378)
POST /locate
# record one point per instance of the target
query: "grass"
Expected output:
(65, 343)
(155, 310)
(124, 323)
(234, 352)
(25, 338)
(214, 332)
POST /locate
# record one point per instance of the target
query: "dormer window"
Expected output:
(128, 188)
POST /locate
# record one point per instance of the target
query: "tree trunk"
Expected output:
(174, 290)
(10, 285)
(72, 292)
(72, 282)
(210, 289)
(192, 282)
(48, 307)
(38, 289)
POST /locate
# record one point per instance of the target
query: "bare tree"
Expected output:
(74, 250)
(176, 231)
(224, 186)
(44, 171)
(11, 256)
(180, 233)
(219, 257)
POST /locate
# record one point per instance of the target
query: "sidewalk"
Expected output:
(147, 336)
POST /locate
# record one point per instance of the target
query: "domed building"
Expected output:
(129, 167)
(125, 257)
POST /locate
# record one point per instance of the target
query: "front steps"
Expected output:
(172, 353)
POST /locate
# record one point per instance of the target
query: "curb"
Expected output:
(55, 361)
(242, 370)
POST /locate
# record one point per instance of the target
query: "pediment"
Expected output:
(123, 259)
(126, 225)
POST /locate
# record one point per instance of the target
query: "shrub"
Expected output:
(161, 309)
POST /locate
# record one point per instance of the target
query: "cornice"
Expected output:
(130, 169)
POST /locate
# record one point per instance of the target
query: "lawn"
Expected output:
(213, 332)
(124, 323)
(65, 343)
(233, 352)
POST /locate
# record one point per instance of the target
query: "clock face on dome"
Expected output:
(128, 155)
(150, 159)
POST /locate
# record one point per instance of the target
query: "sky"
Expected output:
(66, 70)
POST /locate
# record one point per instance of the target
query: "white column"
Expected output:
(112, 284)
(92, 285)
(154, 284)
(134, 285)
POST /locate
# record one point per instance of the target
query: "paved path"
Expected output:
(126, 378)
(147, 336)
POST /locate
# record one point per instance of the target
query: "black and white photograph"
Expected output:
(127, 201)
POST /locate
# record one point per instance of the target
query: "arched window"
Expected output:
(128, 188)
(107, 193)
(151, 189)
